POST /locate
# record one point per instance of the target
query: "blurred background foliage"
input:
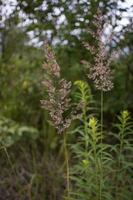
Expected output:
(24, 26)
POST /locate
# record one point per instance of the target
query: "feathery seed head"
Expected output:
(57, 101)
(99, 72)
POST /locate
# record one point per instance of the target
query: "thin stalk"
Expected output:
(8, 158)
(101, 117)
(96, 164)
(86, 132)
(121, 135)
(121, 142)
(67, 166)
(101, 170)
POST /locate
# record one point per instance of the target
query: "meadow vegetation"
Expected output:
(66, 112)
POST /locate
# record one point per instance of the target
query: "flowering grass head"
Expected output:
(99, 71)
(57, 101)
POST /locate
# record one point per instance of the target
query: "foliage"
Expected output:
(122, 150)
(11, 132)
(95, 161)
(31, 159)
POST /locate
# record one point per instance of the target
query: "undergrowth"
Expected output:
(115, 163)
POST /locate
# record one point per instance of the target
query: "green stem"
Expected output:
(85, 123)
(67, 165)
(121, 142)
(101, 170)
(101, 115)
(86, 133)
(96, 168)
(119, 159)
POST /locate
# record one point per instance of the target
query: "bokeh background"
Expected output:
(31, 164)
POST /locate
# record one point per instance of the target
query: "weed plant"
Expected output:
(116, 161)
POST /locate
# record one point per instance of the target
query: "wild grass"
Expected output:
(88, 161)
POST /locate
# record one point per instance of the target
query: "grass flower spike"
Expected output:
(99, 71)
(57, 90)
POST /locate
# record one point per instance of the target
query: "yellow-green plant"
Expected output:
(115, 163)
(123, 150)
(86, 173)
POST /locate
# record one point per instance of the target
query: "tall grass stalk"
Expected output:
(101, 170)
(57, 101)
(99, 73)
(67, 164)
